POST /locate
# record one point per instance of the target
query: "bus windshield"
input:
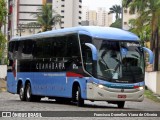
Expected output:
(119, 61)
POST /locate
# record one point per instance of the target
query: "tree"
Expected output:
(47, 17)
(149, 12)
(117, 23)
(3, 14)
(117, 10)
(143, 31)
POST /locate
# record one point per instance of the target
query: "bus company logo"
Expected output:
(133, 45)
(50, 66)
(6, 114)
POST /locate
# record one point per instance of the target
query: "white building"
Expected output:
(85, 11)
(103, 17)
(23, 10)
(126, 17)
(21, 15)
(97, 18)
(92, 17)
(70, 10)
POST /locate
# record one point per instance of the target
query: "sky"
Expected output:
(94, 4)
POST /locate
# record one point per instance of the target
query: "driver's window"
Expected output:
(86, 53)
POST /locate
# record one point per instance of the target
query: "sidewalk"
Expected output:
(2, 85)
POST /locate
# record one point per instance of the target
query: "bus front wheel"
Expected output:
(120, 104)
(80, 101)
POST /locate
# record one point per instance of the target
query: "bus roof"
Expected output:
(93, 31)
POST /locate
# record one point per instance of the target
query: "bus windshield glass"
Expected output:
(119, 61)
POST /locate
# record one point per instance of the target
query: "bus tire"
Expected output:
(80, 101)
(28, 93)
(120, 104)
(22, 93)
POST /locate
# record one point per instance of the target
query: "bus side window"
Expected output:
(15, 50)
(48, 48)
(59, 46)
(38, 49)
(73, 52)
(10, 50)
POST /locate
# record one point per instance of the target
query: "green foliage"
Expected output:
(117, 23)
(3, 12)
(47, 17)
(149, 12)
(143, 31)
(2, 45)
(149, 94)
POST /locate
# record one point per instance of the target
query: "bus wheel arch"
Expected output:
(76, 94)
(21, 90)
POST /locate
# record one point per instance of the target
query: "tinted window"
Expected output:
(72, 46)
(86, 52)
(38, 49)
(48, 48)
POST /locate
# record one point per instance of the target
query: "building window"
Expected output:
(62, 11)
(125, 23)
(62, 16)
(62, 22)
(80, 0)
(80, 17)
(62, 5)
(125, 11)
(80, 12)
(80, 6)
(62, 0)
(49, 1)
(79, 23)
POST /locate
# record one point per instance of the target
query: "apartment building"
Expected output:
(98, 17)
(70, 10)
(92, 17)
(126, 17)
(21, 18)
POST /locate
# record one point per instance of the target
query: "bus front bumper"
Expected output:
(102, 93)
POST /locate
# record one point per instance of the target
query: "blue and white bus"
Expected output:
(77, 64)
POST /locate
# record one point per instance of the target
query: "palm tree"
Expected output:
(47, 17)
(149, 12)
(117, 10)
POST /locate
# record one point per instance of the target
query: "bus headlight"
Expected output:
(141, 88)
(101, 86)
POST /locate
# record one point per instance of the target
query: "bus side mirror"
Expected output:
(151, 55)
(93, 49)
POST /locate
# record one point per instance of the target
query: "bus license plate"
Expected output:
(122, 96)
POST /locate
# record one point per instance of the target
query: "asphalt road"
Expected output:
(11, 102)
